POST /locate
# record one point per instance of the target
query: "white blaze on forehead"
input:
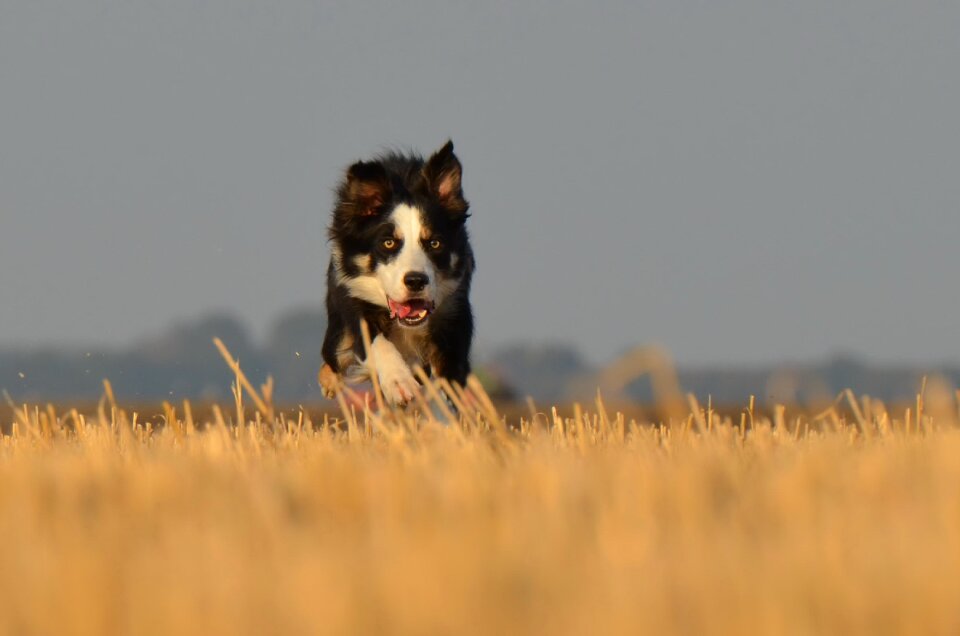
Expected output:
(408, 221)
(408, 227)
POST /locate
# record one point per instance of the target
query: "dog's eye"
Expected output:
(389, 243)
(435, 244)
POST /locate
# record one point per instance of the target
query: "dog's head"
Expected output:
(399, 235)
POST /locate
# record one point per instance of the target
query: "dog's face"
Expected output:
(399, 235)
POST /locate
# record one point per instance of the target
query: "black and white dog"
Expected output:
(401, 261)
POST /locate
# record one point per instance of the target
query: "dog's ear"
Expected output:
(442, 173)
(367, 188)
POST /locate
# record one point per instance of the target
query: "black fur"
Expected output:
(368, 193)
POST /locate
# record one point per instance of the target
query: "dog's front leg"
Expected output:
(329, 381)
(396, 379)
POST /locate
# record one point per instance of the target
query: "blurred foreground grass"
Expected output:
(845, 522)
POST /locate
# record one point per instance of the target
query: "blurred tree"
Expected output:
(543, 372)
(293, 352)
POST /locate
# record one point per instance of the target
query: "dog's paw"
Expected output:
(396, 382)
(329, 381)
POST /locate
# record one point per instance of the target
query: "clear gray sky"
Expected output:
(739, 181)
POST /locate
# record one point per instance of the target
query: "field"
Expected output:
(251, 520)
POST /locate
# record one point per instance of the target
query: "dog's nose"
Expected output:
(415, 281)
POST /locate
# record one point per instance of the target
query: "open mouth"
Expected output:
(412, 312)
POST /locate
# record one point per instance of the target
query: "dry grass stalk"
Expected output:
(427, 520)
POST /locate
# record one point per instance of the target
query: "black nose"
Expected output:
(415, 281)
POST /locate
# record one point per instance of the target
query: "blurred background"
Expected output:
(768, 191)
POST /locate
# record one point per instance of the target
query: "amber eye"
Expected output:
(389, 243)
(434, 244)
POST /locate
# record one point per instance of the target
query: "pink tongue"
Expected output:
(404, 310)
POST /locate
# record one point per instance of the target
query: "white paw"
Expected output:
(397, 383)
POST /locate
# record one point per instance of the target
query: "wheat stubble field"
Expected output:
(256, 522)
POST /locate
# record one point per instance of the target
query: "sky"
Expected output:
(738, 181)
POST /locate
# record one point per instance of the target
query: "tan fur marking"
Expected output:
(329, 381)
(363, 262)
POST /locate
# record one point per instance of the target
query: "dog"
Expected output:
(401, 261)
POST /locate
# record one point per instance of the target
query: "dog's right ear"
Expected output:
(367, 188)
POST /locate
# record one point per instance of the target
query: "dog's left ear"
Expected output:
(442, 173)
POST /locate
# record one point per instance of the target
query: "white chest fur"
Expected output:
(410, 343)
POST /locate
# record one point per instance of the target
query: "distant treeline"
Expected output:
(182, 363)
(556, 373)
(179, 364)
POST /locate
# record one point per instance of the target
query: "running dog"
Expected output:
(401, 261)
